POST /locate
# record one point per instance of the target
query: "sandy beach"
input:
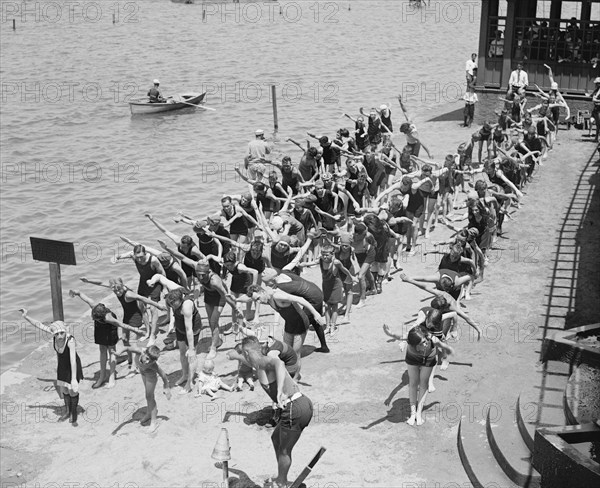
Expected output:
(359, 390)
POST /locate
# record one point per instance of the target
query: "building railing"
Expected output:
(549, 40)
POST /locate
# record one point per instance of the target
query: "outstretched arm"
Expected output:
(111, 320)
(423, 286)
(164, 281)
(134, 296)
(442, 345)
(34, 322)
(174, 237)
(245, 178)
(243, 247)
(432, 278)
(387, 331)
(85, 298)
(178, 255)
(296, 144)
(403, 108)
(94, 282)
(296, 261)
(466, 318)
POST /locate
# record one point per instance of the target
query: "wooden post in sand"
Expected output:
(55, 253)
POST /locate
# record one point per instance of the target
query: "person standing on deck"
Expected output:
(471, 69)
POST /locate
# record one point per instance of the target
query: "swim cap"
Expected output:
(269, 274)
(276, 223)
(199, 226)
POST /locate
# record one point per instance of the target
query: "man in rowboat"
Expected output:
(154, 94)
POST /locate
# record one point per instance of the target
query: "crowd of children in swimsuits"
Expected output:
(352, 207)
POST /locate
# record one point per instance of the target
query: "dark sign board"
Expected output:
(51, 251)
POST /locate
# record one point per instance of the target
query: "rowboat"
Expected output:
(143, 106)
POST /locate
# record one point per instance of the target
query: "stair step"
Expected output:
(510, 450)
(477, 457)
(543, 405)
(582, 398)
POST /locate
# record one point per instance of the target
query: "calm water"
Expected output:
(76, 166)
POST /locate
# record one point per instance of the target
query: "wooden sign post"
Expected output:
(55, 253)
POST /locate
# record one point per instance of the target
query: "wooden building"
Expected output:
(570, 46)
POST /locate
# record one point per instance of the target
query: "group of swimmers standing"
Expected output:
(352, 206)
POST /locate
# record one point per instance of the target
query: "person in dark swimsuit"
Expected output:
(132, 315)
(331, 270)
(361, 134)
(215, 294)
(448, 304)
(291, 308)
(147, 266)
(421, 357)
(297, 409)
(382, 233)
(218, 230)
(282, 252)
(175, 272)
(146, 361)
(293, 284)
(215, 297)
(414, 208)
(290, 176)
(106, 335)
(188, 325)
(273, 347)
(186, 246)
(363, 244)
(242, 277)
(345, 255)
(68, 371)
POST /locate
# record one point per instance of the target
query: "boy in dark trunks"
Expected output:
(146, 361)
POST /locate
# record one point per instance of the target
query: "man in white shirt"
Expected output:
(471, 68)
(257, 152)
(496, 46)
(518, 81)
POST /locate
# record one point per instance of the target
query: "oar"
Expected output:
(178, 99)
